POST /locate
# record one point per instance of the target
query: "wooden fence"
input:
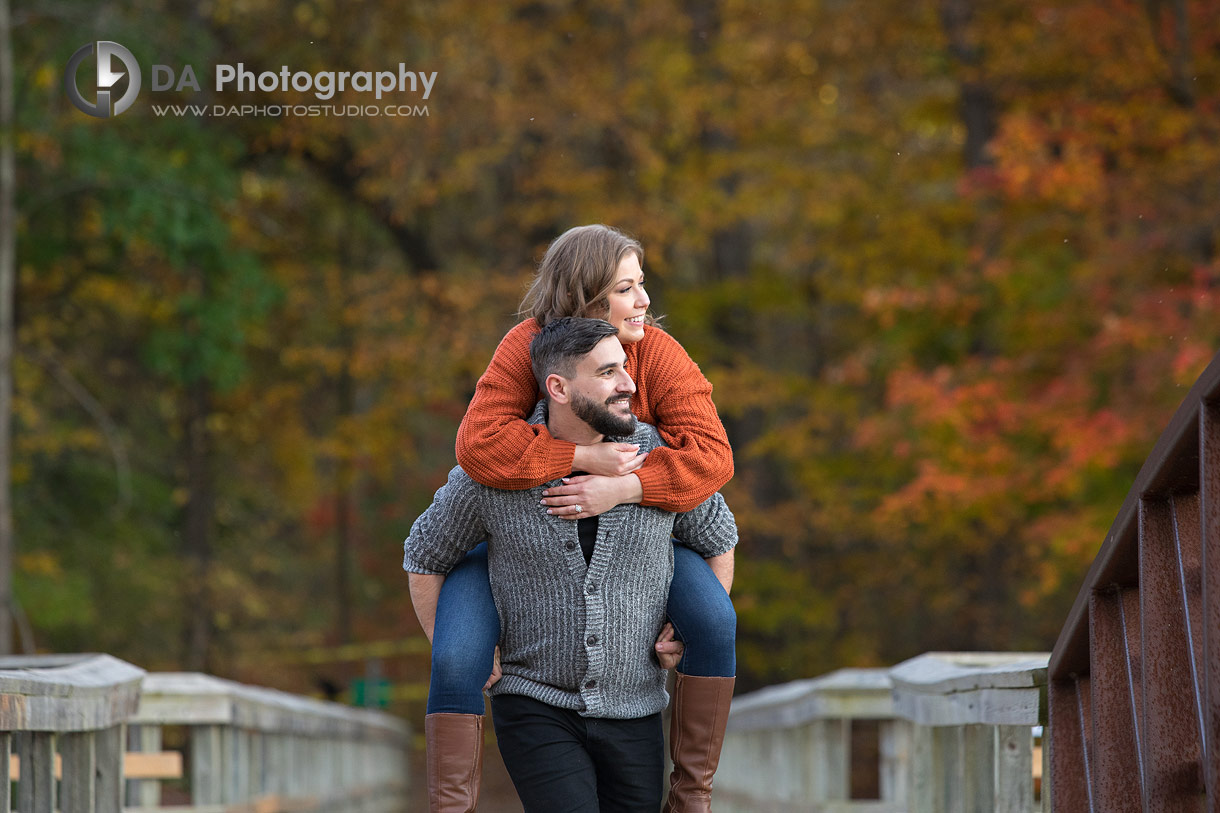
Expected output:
(243, 749)
(946, 733)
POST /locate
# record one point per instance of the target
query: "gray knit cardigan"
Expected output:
(572, 636)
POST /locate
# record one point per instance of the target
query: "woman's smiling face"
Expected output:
(628, 300)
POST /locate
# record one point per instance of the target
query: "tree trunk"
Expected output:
(1173, 41)
(8, 275)
(345, 408)
(344, 482)
(197, 538)
(976, 103)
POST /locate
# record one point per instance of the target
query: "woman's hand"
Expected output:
(608, 459)
(669, 651)
(588, 495)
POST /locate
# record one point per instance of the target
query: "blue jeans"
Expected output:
(467, 629)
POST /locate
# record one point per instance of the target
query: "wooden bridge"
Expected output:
(1123, 715)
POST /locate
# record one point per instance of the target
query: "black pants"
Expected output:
(560, 761)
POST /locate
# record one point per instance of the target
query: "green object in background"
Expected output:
(371, 693)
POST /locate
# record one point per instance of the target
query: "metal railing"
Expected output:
(1135, 674)
(245, 749)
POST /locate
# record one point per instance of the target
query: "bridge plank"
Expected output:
(207, 765)
(1014, 769)
(894, 772)
(6, 777)
(36, 792)
(159, 765)
(977, 762)
(110, 767)
(78, 787)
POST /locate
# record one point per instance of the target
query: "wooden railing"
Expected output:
(75, 703)
(788, 747)
(942, 733)
(245, 749)
(1135, 674)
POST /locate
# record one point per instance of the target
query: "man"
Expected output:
(577, 708)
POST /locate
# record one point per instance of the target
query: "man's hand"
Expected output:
(608, 459)
(669, 651)
(496, 674)
(588, 495)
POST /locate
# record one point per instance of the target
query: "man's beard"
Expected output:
(601, 418)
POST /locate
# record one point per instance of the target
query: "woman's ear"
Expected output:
(557, 388)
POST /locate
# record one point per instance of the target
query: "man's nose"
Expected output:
(625, 384)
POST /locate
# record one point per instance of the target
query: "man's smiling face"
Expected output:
(602, 390)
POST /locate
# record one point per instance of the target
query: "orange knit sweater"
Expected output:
(499, 449)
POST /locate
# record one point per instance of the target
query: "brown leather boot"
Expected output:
(455, 761)
(696, 734)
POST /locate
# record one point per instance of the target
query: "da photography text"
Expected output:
(112, 62)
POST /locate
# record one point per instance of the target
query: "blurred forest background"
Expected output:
(950, 266)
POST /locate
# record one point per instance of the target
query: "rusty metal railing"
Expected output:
(1134, 679)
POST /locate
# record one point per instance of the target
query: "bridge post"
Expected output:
(973, 717)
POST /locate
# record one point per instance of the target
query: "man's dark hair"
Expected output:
(561, 342)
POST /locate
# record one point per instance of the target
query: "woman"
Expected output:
(590, 271)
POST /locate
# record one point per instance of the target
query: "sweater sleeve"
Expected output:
(452, 525)
(708, 529)
(495, 445)
(698, 460)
